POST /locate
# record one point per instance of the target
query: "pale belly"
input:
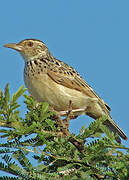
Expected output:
(44, 89)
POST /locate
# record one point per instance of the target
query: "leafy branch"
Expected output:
(40, 146)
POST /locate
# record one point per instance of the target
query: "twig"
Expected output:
(76, 143)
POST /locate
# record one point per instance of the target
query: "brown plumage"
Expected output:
(57, 83)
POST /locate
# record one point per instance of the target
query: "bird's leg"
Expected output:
(64, 113)
(69, 115)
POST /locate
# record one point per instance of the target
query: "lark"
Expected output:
(51, 80)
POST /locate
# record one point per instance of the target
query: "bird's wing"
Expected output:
(67, 76)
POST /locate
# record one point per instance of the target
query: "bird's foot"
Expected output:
(70, 114)
(74, 111)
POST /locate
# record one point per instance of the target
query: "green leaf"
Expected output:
(50, 122)
(19, 92)
(7, 95)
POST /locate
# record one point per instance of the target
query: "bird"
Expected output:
(51, 80)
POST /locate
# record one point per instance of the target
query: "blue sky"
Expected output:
(90, 35)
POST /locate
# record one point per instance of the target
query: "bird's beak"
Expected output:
(17, 47)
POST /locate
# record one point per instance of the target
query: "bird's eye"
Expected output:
(30, 44)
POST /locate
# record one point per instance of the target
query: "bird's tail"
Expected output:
(113, 127)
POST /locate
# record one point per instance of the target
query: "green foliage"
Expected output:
(39, 147)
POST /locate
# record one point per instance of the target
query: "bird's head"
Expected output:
(30, 49)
